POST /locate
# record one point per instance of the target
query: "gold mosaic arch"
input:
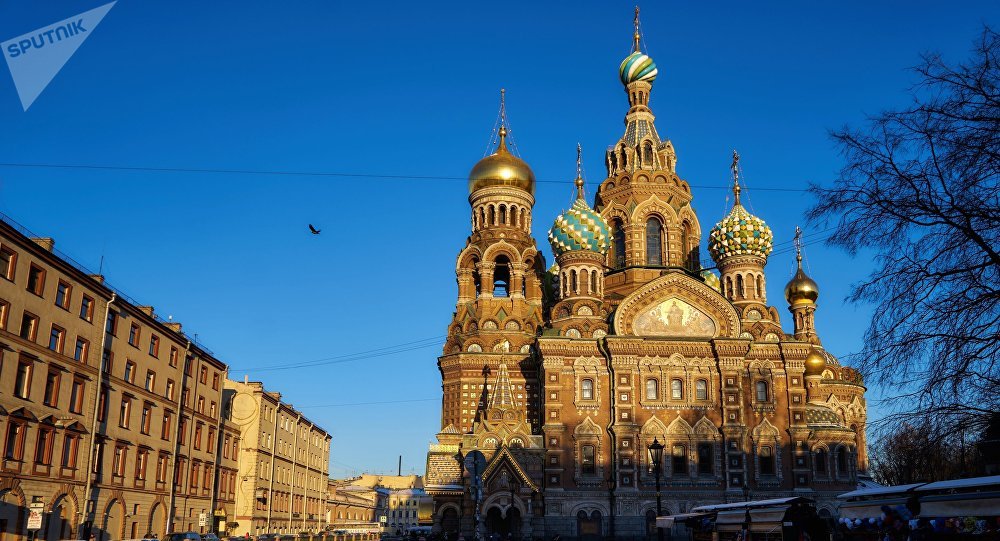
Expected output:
(654, 205)
(687, 308)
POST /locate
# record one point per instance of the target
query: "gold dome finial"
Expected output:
(502, 168)
(801, 289)
(579, 172)
(635, 37)
(736, 175)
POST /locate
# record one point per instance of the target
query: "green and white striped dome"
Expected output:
(637, 67)
(740, 233)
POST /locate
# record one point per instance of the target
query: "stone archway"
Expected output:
(503, 523)
(589, 527)
(11, 513)
(450, 522)
(113, 522)
(157, 521)
(59, 523)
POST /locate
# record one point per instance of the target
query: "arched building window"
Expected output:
(588, 460)
(676, 389)
(647, 154)
(618, 232)
(761, 387)
(654, 242)
(821, 461)
(841, 461)
(701, 389)
(652, 389)
(501, 277)
(766, 458)
(587, 389)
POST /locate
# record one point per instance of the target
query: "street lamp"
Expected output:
(656, 459)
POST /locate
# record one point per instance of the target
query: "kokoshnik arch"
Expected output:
(562, 377)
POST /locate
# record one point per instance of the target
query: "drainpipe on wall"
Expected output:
(305, 486)
(295, 457)
(90, 510)
(613, 481)
(270, 481)
(218, 447)
(177, 438)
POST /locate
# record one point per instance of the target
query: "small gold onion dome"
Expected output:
(801, 289)
(815, 363)
(502, 169)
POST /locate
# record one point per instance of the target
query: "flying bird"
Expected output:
(313, 230)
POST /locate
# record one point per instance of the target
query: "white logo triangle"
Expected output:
(36, 57)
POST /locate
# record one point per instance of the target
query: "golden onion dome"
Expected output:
(801, 289)
(502, 169)
(815, 363)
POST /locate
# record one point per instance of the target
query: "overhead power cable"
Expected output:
(276, 172)
(357, 356)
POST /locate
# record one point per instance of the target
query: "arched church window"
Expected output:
(618, 232)
(654, 242)
(760, 288)
(492, 216)
(652, 389)
(624, 156)
(482, 216)
(588, 460)
(501, 277)
(761, 391)
(701, 389)
(676, 389)
(587, 389)
(593, 282)
(584, 282)
(841, 461)
(573, 282)
(475, 277)
(647, 154)
(740, 293)
(766, 458)
(821, 460)
(503, 214)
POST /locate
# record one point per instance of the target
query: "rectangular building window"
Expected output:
(112, 326)
(76, 396)
(43, 446)
(64, 292)
(29, 326)
(36, 279)
(22, 379)
(133, 335)
(4, 312)
(71, 448)
(141, 457)
(154, 345)
(203, 375)
(162, 463)
(80, 353)
(150, 380)
(215, 381)
(118, 464)
(8, 262)
(197, 436)
(165, 431)
(146, 419)
(173, 356)
(169, 392)
(102, 404)
(51, 395)
(57, 338)
(87, 308)
(129, 375)
(183, 431)
(14, 445)
(125, 412)
(210, 442)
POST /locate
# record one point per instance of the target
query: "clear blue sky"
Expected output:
(411, 89)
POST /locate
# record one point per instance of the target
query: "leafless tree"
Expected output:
(920, 189)
(923, 453)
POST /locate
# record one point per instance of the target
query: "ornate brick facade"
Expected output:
(555, 383)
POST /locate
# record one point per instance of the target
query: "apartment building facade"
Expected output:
(110, 416)
(283, 470)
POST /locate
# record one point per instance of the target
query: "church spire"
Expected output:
(636, 37)
(579, 172)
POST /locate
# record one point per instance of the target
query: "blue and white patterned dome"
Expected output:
(579, 228)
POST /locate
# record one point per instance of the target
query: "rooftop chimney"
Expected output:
(45, 242)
